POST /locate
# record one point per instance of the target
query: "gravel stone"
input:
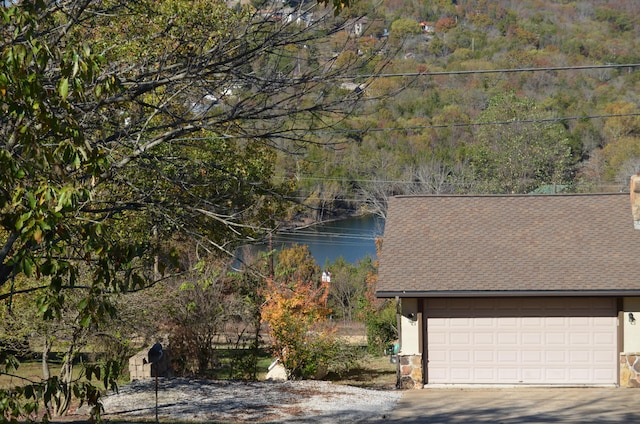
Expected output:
(258, 402)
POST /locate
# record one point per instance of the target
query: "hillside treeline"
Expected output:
(480, 97)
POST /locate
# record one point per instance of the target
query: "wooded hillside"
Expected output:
(483, 97)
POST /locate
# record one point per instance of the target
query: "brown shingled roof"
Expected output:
(509, 245)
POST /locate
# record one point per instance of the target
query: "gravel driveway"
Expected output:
(259, 402)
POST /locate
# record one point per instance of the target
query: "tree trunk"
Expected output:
(46, 349)
(66, 372)
(46, 373)
(66, 379)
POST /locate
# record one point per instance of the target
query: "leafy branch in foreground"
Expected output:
(133, 130)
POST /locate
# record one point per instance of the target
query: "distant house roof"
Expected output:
(581, 244)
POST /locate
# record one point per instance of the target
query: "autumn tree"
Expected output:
(294, 314)
(295, 310)
(130, 127)
(296, 264)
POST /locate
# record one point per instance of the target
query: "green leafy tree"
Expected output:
(128, 128)
(348, 287)
(380, 316)
(402, 28)
(516, 151)
(296, 264)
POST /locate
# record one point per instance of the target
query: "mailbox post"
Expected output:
(154, 356)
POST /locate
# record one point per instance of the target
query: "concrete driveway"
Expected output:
(517, 405)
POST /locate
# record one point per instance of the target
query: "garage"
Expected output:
(536, 341)
(515, 289)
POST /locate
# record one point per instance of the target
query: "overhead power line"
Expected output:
(461, 124)
(437, 126)
(479, 124)
(492, 71)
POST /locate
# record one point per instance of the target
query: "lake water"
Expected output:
(352, 238)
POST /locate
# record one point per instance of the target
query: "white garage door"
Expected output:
(521, 341)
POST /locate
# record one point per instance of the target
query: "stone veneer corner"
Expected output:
(410, 371)
(630, 369)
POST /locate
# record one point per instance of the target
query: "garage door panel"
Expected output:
(579, 373)
(460, 338)
(580, 338)
(461, 374)
(603, 322)
(531, 375)
(555, 357)
(484, 322)
(554, 375)
(532, 339)
(484, 356)
(532, 322)
(601, 338)
(438, 357)
(601, 358)
(484, 338)
(508, 373)
(507, 322)
(461, 323)
(438, 339)
(601, 373)
(506, 357)
(578, 321)
(507, 338)
(556, 322)
(577, 357)
(484, 374)
(460, 355)
(503, 341)
(531, 356)
(554, 338)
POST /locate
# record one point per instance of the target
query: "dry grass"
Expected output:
(373, 372)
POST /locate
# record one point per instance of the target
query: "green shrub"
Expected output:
(381, 325)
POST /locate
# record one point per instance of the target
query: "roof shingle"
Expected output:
(452, 245)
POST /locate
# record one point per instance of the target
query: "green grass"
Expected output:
(30, 371)
(369, 371)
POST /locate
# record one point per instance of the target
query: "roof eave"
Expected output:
(508, 293)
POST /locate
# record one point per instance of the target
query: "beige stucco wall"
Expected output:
(410, 333)
(631, 331)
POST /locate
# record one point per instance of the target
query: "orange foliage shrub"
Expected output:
(295, 313)
(445, 24)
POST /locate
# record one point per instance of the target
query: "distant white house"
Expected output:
(352, 86)
(428, 27)
(356, 26)
(299, 16)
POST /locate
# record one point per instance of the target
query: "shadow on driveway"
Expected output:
(517, 405)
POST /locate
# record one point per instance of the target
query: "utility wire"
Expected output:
(479, 124)
(491, 71)
(437, 126)
(311, 235)
(453, 125)
(460, 124)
